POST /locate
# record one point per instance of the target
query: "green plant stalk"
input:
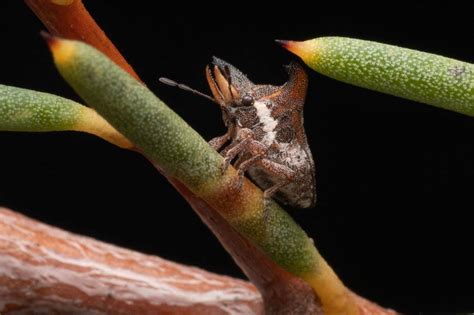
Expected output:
(27, 110)
(403, 72)
(182, 153)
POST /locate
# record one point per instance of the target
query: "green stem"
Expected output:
(182, 153)
(408, 73)
(27, 110)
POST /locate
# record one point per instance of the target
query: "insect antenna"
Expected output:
(185, 88)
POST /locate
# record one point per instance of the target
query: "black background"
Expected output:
(395, 177)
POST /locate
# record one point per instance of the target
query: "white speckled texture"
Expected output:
(408, 73)
(26, 110)
(268, 122)
(181, 153)
(142, 117)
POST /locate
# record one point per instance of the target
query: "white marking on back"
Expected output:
(269, 123)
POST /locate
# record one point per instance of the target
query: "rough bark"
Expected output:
(47, 270)
(50, 271)
(283, 292)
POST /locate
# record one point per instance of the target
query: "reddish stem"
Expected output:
(280, 289)
(283, 293)
(44, 269)
(74, 22)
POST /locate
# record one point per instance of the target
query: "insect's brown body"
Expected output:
(265, 132)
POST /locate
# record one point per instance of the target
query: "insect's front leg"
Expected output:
(257, 151)
(217, 142)
(243, 137)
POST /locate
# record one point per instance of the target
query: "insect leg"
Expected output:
(279, 170)
(257, 151)
(244, 136)
(232, 153)
(244, 166)
(217, 142)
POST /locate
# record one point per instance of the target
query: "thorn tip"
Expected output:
(45, 35)
(61, 49)
(283, 42)
(298, 48)
(50, 39)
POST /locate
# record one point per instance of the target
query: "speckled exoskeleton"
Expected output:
(265, 132)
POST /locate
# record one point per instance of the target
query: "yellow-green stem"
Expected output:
(182, 153)
(412, 74)
(27, 110)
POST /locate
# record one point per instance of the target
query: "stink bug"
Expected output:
(265, 131)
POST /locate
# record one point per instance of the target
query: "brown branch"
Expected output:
(282, 292)
(280, 289)
(44, 269)
(74, 21)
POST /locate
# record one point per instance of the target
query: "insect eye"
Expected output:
(247, 100)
